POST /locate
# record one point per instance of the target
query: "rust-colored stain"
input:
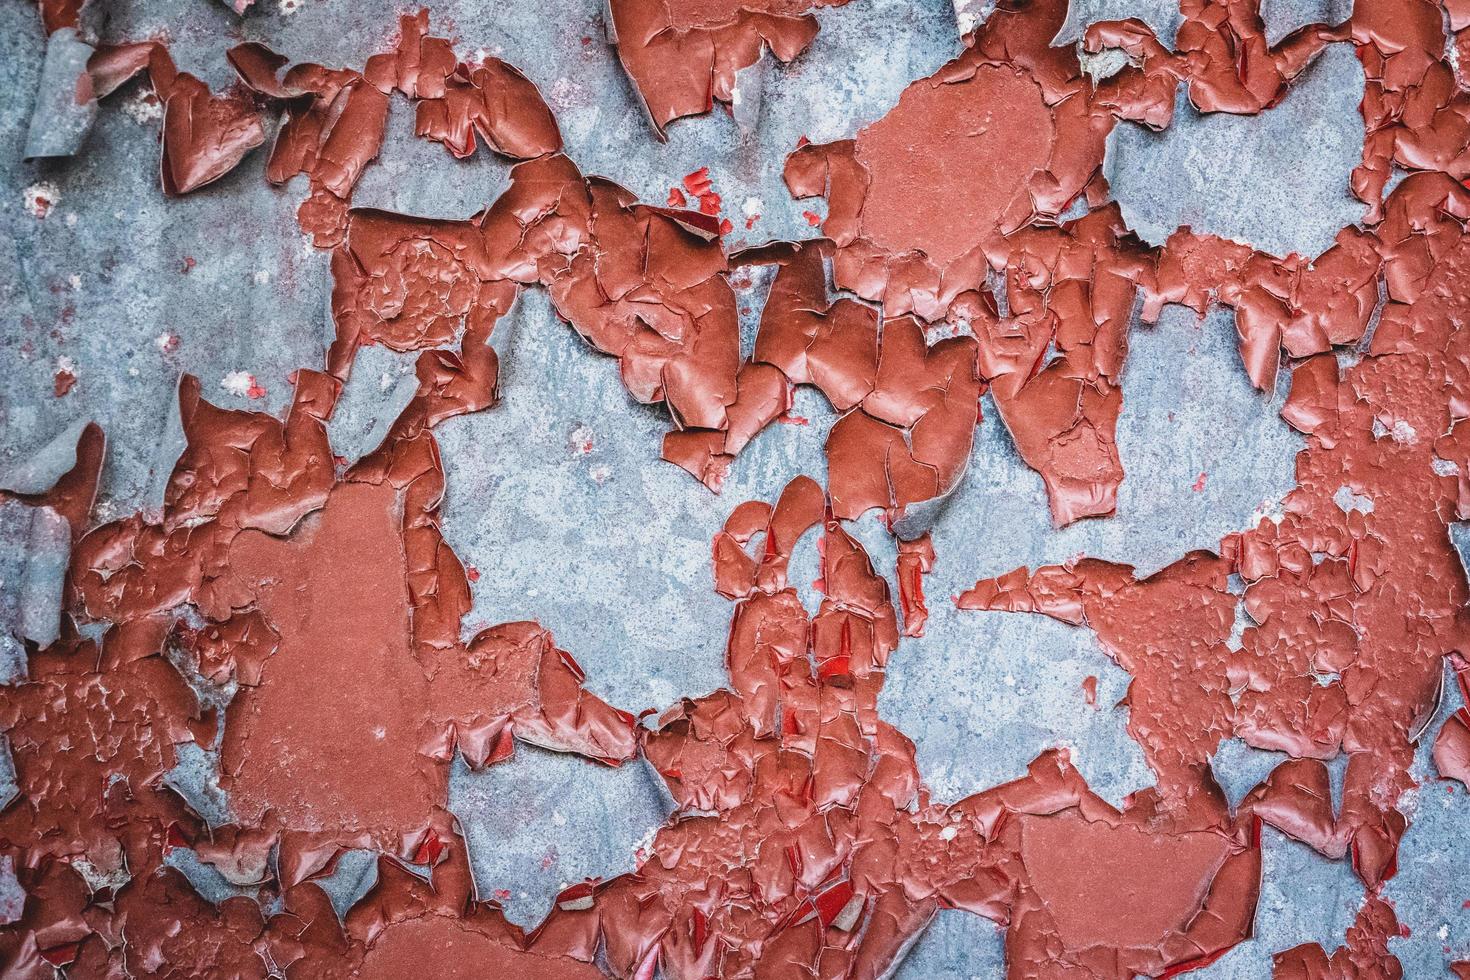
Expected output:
(804, 842)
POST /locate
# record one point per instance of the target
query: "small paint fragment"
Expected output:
(65, 377)
(40, 198)
(238, 383)
(143, 106)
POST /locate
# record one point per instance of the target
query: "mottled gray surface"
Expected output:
(608, 547)
(59, 121)
(35, 546)
(1278, 181)
(956, 945)
(1284, 16)
(355, 873)
(28, 611)
(983, 692)
(39, 471)
(1305, 898)
(1161, 15)
(542, 821)
(1433, 883)
(195, 777)
(8, 786)
(206, 878)
(1190, 419)
(380, 387)
(101, 281)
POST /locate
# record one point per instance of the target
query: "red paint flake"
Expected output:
(571, 664)
(173, 838)
(788, 419)
(793, 859)
(61, 955)
(472, 573)
(832, 901)
(63, 382)
(812, 218)
(701, 927)
(505, 746)
(429, 849)
(649, 967)
(41, 205)
(750, 221)
(1089, 690)
(1198, 963)
(189, 264)
(725, 226)
(677, 198)
(698, 183)
(1199, 483)
(256, 390)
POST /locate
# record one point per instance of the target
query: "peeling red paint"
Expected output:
(683, 58)
(804, 842)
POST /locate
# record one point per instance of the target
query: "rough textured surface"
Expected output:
(770, 489)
